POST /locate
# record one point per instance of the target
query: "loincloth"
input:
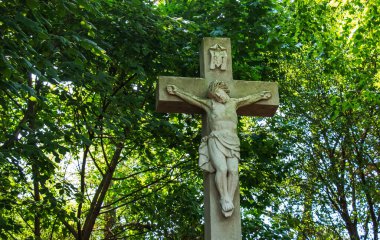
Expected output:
(228, 144)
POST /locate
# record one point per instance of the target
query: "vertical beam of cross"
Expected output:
(216, 225)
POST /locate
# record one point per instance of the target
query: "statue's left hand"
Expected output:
(266, 94)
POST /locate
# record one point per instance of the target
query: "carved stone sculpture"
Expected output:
(220, 150)
(218, 57)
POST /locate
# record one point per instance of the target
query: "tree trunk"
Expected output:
(110, 219)
(100, 194)
(31, 119)
(37, 199)
(307, 230)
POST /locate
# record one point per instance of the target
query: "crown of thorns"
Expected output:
(214, 85)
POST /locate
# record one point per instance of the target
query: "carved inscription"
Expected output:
(218, 57)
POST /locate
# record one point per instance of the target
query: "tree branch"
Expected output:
(100, 194)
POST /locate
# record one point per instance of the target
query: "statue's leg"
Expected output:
(233, 176)
(219, 162)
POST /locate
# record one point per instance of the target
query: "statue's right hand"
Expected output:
(172, 89)
(265, 94)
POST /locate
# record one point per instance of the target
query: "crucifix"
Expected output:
(220, 99)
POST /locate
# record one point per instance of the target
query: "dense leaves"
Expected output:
(83, 153)
(331, 88)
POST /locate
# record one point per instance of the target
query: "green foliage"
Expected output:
(328, 75)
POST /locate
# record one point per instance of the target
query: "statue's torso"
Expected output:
(223, 117)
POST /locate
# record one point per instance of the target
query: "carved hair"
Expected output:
(214, 85)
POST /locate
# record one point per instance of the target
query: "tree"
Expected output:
(330, 83)
(78, 84)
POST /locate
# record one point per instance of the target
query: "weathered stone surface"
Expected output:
(198, 86)
(172, 104)
(219, 150)
(207, 72)
(218, 227)
(216, 64)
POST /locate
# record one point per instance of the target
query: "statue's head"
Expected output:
(214, 91)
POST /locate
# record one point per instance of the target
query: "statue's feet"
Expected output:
(227, 207)
(228, 214)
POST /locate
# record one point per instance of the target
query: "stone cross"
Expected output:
(216, 64)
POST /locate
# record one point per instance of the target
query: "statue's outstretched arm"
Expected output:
(252, 98)
(188, 97)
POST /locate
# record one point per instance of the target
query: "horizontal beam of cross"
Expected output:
(198, 86)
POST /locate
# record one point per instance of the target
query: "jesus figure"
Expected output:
(220, 150)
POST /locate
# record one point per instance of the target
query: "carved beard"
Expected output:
(220, 100)
(215, 97)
